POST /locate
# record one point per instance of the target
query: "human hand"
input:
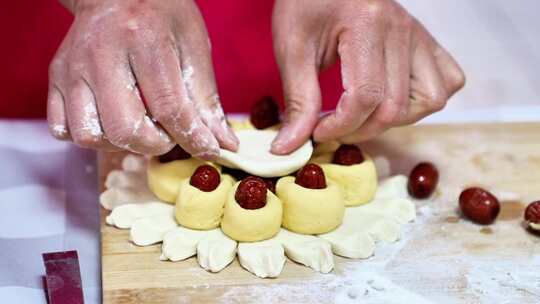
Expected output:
(137, 75)
(393, 71)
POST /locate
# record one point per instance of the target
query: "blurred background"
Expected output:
(496, 42)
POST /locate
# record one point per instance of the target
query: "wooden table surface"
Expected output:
(440, 259)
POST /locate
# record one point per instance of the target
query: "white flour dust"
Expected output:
(90, 120)
(59, 130)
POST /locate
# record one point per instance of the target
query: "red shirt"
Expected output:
(241, 37)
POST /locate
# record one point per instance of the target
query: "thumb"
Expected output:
(302, 100)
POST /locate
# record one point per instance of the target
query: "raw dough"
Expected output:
(358, 182)
(251, 225)
(124, 216)
(125, 179)
(245, 124)
(310, 211)
(114, 197)
(133, 163)
(264, 259)
(202, 210)
(181, 243)
(254, 157)
(164, 178)
(324, 152)
(150, 230)
(126, 186)
(393, 187)
(307, 250)
(347, 242)
(215, 251)
(362, 227)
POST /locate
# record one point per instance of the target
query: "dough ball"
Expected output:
(246, 225)
(164, 178)
(310, 211)
(358, 182)
(201, 210)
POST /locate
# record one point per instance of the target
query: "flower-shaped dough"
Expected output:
(363, 226)
(201, 210)
(251, 225)
(164, 178)
(358, 182)
(310, 211)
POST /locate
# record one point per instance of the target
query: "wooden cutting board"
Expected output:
(441, 258)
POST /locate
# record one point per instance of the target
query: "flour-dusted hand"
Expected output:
(137, 75)
(393, 71)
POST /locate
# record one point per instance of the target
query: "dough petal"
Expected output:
(125, 179)
(150, 230)
(402, 210)
(133, 163)
(181, 243)
(393, 187)
(114, 197)
(308, 250)
(347, 242)
(264, 259)
(216, 251)
(379, 227)
(254, 156)
(124, 216)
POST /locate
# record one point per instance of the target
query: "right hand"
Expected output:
(118, 51)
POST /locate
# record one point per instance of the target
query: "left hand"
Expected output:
(393, 71)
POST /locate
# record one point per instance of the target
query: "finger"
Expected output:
(199, 81)
(452, 74)
(363, 77)
(56, 114)
(396, 102)
(83, 118)
(428, 92)
(121, 109)
(160, 79)
(298, 69)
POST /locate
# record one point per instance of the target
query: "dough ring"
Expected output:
(201, 210)
(164, 178)
(251, 225)
(254, 157)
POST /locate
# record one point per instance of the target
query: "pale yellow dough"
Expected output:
(245, 124)
(358, 182)
(324, 152)
(310, 211)
(201, 210)
(164, 178)
(246, 225)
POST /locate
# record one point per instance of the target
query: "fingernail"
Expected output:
(278, 146)
(232, 136)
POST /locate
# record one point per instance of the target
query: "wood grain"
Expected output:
(438, 261)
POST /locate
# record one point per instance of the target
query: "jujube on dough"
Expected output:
(354, 172)
(310, 210)
(259, 223)
(198, 208)
(164, 177)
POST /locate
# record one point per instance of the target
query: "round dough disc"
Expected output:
(254, 156)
